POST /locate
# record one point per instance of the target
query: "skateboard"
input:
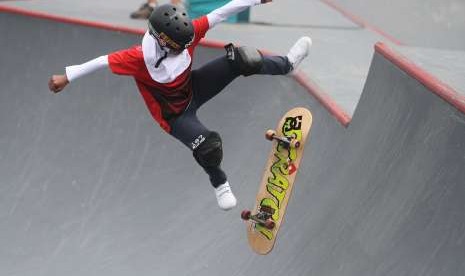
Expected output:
(288, 142)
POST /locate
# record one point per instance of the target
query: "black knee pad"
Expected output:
(210, 152)
(245, 60)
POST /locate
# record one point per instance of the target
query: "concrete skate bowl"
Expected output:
(420, 23)
(91, 186)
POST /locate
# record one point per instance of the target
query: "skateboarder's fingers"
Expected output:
(54, 84)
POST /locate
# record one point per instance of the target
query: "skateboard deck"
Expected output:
(288, 143)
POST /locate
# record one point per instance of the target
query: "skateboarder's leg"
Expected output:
(278, 65)
(209, 80)
(281, 65)
(191, 132)
(213, 77)
(207, 150)
(275, 65)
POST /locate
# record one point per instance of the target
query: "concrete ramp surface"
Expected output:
(91, 186)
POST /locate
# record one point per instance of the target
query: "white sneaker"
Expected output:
(225, 197)
(299, 51)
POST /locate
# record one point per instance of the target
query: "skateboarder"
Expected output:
(161, 67)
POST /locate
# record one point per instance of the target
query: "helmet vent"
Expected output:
(185, 24)
(175, 18)
(174, 9)
(177, 29)
(167, 14)
(167, 24)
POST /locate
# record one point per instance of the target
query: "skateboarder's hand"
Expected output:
(57, 83)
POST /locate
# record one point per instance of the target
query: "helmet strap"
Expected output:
(161, 59)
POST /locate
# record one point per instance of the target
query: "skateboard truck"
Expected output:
(287, 142)
(263, 217)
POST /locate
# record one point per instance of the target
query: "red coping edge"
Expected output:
(429, 81)
(360, 22)
(323, 98)
(309, 85)
(70, 20)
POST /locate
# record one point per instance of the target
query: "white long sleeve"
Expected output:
(76, 71)
(233, 7)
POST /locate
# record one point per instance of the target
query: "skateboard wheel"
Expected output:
(269, 224)
(295, 144)
(270, 134)
(245, 215)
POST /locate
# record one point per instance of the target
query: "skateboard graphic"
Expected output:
(288, 142)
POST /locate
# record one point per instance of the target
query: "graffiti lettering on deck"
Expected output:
(278, 181)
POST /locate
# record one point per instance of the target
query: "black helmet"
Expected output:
(172, 25)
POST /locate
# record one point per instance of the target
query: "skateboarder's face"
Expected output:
(166, 43)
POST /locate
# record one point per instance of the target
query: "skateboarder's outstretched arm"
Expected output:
(58, 82)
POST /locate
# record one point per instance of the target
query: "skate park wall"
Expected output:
(91, 186)
(420, 23)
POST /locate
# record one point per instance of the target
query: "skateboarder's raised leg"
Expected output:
(210, 79)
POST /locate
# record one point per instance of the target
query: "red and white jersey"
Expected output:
(172, 97)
